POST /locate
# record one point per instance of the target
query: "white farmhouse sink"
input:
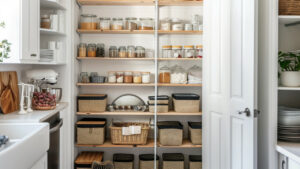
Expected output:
(28, 143)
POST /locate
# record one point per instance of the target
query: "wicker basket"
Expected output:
(289, 7)
(118, 138)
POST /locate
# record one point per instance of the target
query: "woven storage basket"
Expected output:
(289, 7)
(123, 161)
(195, 162)
(173, 161)
(147, 161)
(118, 138)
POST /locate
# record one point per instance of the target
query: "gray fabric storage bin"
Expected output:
(173, 161)
(195, 162)
(123, 161)
(195, 132)
(170, 133)
(91, 131)
(147, 161)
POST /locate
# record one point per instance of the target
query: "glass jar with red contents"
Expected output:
(177, 51)
(199, 51)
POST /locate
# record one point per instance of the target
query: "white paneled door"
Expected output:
(229, 89)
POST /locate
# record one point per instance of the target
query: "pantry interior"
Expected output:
(153, 62)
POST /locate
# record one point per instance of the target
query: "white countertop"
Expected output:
(35, 116)
(291, 150)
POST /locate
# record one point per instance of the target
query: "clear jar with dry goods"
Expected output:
(100, 51)
(88, 21)
(137, 77)
(199, 51)
(117, 24)
(131, 23)
(131, 51)
(82, 50)
(166, 51)
(189, 51)
(164, 74)
(146, 24)
(146, 77)
(177, 25)
(177, 51)
(178, 75)
(112, 78)
(104, 23)
(45, 22)
(91, 50)
(120, 77)
(140, 52)
(113, 52)
(122, 52)
(165, 24)
(128, 77)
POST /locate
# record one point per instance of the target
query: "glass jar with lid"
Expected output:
(128, 77)
(88, 21)
(177, 24)
(137, 77)
(117, 24)
(178, 75)
(82, 50)
(131, 23)
(45, 22)
(131, 51)
(122, 52)
(199, 51)
(165, 24)
(146, 24)
(100, 51)
(113, 52)
(120, 77)
(188, 27)
(140, 52)
(91, 50)
(167, 51)
(112, 78)
(164, 74)
(84, 77)
(189, 51)
(104, 23)
(146, 77)
(177, 51)
(195, 75)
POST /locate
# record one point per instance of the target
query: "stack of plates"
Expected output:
(47, 55)
(289, 124)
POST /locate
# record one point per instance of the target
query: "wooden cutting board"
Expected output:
(9, 92)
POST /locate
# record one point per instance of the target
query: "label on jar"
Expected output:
(165, 26)
(189, 55)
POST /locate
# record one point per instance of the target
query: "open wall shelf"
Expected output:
(161, 32)
(139, 3)
(138, 84)
(171, 113)
(138, 59)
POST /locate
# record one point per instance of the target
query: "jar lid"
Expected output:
(122, 47)
(145, 72)
(164, 68)
(91, 44)
(189, 47)
(45, 17)
(167, 47)
(112, 47)
(199, 46)
(128, 73)
(177, 47)
(88, 15)
(105, 18)
(120, 72)
(176, 20)
(140, 47)
(146, 19)
(131, 18)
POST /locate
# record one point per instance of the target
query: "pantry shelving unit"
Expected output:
(150, 39)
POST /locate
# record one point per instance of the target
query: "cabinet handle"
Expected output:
(282, 164)
(33, 55)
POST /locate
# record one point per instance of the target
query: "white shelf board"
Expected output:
(52, 4)
(288, 88)
(50, 32)
(286, 19)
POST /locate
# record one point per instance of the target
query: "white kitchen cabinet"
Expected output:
(22, 24)
(287, 163)
(293, 164)
(42, 163)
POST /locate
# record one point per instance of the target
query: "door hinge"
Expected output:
(256, 112)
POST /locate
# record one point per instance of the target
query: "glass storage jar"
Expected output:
(84, 77)
(199, 51)
(104, 23)
(177, 51)
(82, 50)
(128, 77)
(188, 27)
(146, 24)
(113, 52)
(120, 77)
(195, 75)
(189, 51)
(165, 25)
(137, 77)
(88, 21)
(122, 52)
(131, 23)
(177, 25)
(146, 77)
(178, 75)
(131, 51)
(166, 51)
(164, 74)
(140, 52)
(91, 50)
(112, 78)
(100, 51)
(117, 24)
(45, 22)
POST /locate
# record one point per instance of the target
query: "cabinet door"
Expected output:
(229, 94)
(283, 162)
(293, 164)
(30, 34)
(42, 163)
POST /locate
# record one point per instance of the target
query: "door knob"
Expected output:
(246, 111)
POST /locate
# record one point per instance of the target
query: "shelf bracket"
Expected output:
(292, 24)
